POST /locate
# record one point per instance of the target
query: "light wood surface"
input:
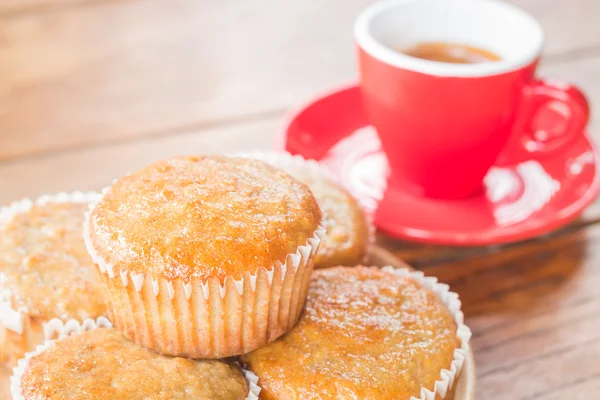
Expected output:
(465, 389)
(91, 89)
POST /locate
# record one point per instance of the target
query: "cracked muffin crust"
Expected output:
(365, 334)
(205, 257)
(45, 270)
(103, 364)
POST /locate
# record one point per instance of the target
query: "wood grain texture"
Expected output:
(166, 65)
(535, 312)
(92, 89)
(570, 25)
(95, 167)
(12, 8)
(111, 70)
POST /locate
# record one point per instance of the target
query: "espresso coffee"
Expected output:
(455, 53)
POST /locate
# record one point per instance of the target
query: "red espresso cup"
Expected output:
(443, 125)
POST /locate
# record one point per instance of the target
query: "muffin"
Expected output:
(367, 333)
(45, 270)
(205, 257)
(102, 364)
(349, 231)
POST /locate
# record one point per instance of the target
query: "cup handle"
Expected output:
(553, 96)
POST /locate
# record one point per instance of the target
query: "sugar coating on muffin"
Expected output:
(103, 364)
(205, 257)
(44, 266)
(348, 232)
(202, 217)
(365, 333)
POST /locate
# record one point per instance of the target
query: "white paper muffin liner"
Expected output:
(24, 332)
(62, 329)
(283, 159)
(7, 213)
(207, 319)
(444, 386)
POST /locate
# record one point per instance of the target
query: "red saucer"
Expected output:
(519, 201)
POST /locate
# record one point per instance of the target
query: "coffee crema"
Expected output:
(447, 52)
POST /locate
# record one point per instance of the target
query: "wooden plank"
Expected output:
(578, 390)
(163, 66)
(534, 313)
(570, 25)
(121, 69)
(11, 8)
(424, 256)
(496, 282)
(94, 168)
(545, 375)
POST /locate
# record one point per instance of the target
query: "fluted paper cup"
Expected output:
(207, 319)
(19, 332)
(445, 386)
(60, 330)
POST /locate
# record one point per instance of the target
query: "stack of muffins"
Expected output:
(198, 283)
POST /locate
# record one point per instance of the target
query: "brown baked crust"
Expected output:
(347, 239)
(365, 334)
(203, 217)
(102, 364)
(45, 266)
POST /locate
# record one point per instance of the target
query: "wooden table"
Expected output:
(91, 89)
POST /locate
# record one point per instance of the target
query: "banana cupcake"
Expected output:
(45, 270)
(349, 231)
(205, 257)
(367, 333)
(100, 363)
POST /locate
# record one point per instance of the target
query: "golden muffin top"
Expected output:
(347, 239)
(44, 266)
(102, 364)
(365, 334)
(203, 217)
